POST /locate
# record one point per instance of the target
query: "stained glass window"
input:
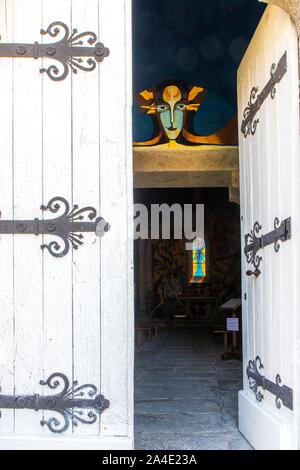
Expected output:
(198, 261)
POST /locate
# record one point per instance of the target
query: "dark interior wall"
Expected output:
(198, 41)
(169, 257)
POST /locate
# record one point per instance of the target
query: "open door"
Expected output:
(66, 311)
(270, 193)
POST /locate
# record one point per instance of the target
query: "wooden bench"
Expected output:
(141, 330)
(151, 329)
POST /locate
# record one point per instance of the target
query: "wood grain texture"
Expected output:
(7, 381)
(72, 139)
(86, 190)
(57, 181)
(116, 246)
(292, 7)
(269, 173)
(27, 178)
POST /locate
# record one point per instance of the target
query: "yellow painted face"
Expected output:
(171, 111)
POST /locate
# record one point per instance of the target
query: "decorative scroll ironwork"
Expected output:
(258, 382)
(254, 242)
(76, 404)
(69, 51)
(250, 122)
(68, 227)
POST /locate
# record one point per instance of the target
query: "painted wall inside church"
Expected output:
(157, 261)
(187, 40)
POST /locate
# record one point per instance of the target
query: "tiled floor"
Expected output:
(185, 395)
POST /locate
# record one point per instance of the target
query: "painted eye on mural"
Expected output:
(172, 106)
(180, 106)
(161, 108)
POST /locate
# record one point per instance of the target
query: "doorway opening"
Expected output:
(185, 57)
(185, 392)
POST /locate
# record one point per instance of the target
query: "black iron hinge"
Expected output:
(69, 51)
(75, 404)
(249, 123)
(257, 381)
(68, 227)
(253, 242)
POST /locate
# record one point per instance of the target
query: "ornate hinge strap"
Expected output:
(254, 242)
(249, 123)
(75, 404)
(69, 51)
(257, 381)
(68, 227)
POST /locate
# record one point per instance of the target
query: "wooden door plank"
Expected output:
(6, 208)
(27, 176)
(116, 248)
(57, 178)
(86, 192)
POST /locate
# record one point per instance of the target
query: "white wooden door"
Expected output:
(270, 188)
(70, 138)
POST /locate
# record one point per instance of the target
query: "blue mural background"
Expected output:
(199, 41)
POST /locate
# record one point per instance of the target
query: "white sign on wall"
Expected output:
(232, 324)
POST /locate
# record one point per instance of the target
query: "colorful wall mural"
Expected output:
(172, 106)
(199, 42)
(170, 260)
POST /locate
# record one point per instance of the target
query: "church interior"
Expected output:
(188, 319)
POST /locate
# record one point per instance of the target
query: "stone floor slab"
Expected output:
(186, 396)
(180, 441)
(175, 406)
